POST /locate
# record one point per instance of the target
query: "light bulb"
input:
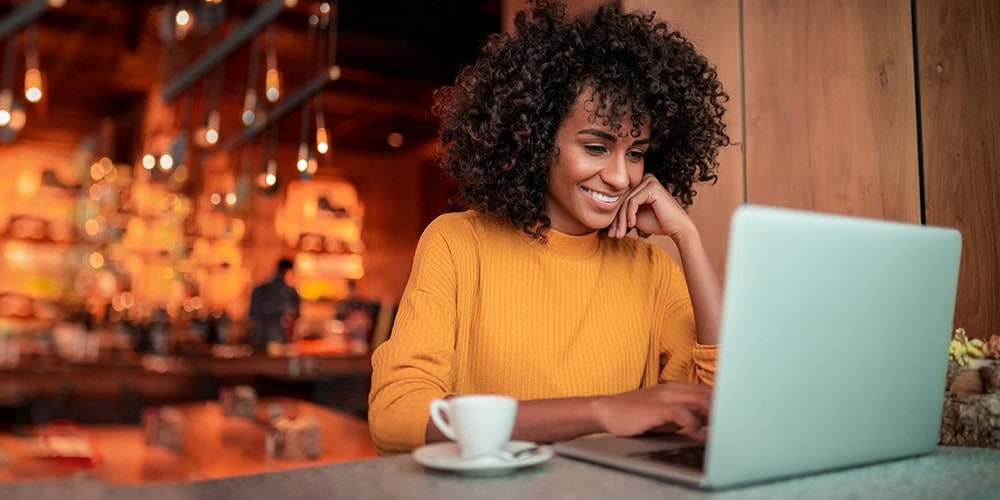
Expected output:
(269, 177)
(6, 100)
(249, 107)
(303, 163)
(211, 136)
(273, 82)
(183, 17)
(33, 85)
(184, 22)
(212, 130)
(148, 161)
(166, 161)
(322, 141)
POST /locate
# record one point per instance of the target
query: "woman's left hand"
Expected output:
(650, 209)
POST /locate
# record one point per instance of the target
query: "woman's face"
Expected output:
(593, 170)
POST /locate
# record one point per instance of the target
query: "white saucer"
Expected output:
(445, 456)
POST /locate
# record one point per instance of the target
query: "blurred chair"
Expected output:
(346, 393)
(207, 385)
(44, 410)
(383, 324)
(130, 404)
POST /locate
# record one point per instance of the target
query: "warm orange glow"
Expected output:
(212, 128)
(180, 174)
(322, 141)
(303, 163)
(33, 85)
(18, 118)
(17, 253)
(28, 183)
(272, 81)
(91, 227)
(249, 107)
(96, 260)
(6, 101)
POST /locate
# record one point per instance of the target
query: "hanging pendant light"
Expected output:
(272, 79)
(32, 74)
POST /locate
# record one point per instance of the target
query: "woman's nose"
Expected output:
(615, 173)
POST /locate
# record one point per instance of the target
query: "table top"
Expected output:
(949, 472)
(214, 446)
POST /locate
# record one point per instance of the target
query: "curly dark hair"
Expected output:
(498, 122)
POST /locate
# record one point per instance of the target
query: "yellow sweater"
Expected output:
(488, 309)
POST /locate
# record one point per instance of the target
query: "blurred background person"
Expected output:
(274, 307)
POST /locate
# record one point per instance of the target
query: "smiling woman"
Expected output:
(561, 138)
(592, 170)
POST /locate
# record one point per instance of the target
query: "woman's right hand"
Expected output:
(667, 407)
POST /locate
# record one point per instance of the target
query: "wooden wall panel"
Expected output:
(831, 107)
(509, 9)
(714, 28)
(959, 46)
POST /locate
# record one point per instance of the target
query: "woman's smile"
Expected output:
(601, 197)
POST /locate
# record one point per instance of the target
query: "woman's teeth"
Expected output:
(602, 197)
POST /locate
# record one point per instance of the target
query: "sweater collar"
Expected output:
(567, 245)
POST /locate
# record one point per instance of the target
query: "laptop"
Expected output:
(834, 346)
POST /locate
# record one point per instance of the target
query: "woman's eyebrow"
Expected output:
(610, 137)
(598, 133)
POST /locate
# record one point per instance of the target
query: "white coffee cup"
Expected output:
(481, 424)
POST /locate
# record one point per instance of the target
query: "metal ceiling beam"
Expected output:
(264, 15)
(306, 91)
(21, 17)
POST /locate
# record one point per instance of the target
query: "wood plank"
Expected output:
(958, 51)
(830, 102)
(713, 26)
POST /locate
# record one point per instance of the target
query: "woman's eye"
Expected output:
(595, 149)
(636, 155)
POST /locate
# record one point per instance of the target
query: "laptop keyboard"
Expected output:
(692, 457)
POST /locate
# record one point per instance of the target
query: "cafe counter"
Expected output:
(949, 472)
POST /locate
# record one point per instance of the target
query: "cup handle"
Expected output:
(439, 406)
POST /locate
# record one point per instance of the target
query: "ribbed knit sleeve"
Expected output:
(415, 366)
(680, 356)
